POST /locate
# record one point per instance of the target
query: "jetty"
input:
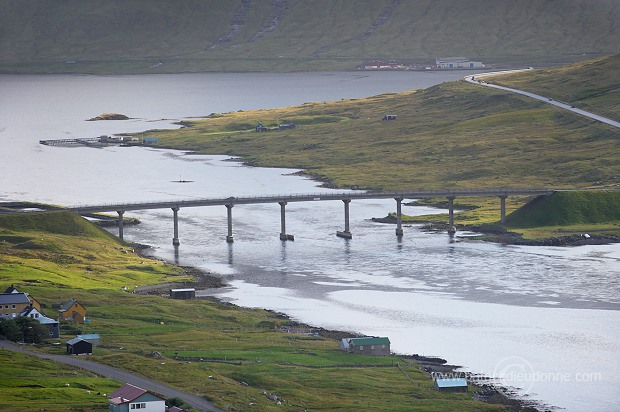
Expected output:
(100, 141)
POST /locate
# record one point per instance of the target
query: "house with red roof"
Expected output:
(130, 398)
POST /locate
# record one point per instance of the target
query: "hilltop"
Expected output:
(568, 208)
(146, 36)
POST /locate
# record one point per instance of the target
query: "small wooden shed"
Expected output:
(150, 141)
(93, 338)
(78, 346)
(185, 294)
(451, 384)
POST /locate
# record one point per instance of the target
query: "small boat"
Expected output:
(181, 180)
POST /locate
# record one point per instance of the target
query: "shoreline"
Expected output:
(486, 392)
(497, 234)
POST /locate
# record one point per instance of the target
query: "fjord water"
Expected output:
(542, 319)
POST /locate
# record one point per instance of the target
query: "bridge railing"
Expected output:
(305, 197)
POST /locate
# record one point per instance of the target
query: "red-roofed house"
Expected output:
(129, 398)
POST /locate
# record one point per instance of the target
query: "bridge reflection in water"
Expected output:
(283, 200)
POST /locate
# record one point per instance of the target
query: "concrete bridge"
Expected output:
(283, 200)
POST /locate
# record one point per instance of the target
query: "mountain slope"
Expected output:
(281, 35)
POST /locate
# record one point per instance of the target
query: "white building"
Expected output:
(128, 397)
(457, 63)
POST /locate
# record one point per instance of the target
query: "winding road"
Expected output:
(166, 391)
(478, 79)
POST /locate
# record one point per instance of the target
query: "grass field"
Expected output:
(28, 384)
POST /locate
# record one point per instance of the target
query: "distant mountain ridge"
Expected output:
(289, 35)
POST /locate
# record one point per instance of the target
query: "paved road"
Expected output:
(547, 100)
(119, 375)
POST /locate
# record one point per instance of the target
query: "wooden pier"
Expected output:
(91, 142)
(101, 141)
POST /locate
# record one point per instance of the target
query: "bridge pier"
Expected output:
(399, 217)
(346, 234)
(175, 217)
(120, 224)
(229, 237)
(283, 235)
(451, 227)
(502, 213)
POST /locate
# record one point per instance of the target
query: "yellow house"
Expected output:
(34, 302)
(72, 310)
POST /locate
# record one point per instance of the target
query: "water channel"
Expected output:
(542, 319)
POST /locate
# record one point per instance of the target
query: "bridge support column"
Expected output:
(399, 217)
(175, 217)
(346, 234)
(502, 212)
(120, 224)
(283, 235)
(229, 237)
(451, 227)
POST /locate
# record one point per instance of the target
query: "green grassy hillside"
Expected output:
(31, 384)
(155, 36)
(66, 251)
(593, 85)
(567, 208)
(237, 358)
(60, 222)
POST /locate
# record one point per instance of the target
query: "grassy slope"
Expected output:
(566, 208)
(119, 36)
(29, 384)
(593, 85)
(453, 135)
(62, 249)
(72, 258)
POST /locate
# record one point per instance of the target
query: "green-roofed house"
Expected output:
(451, 384)
(373, 346)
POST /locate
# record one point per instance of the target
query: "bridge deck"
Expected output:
(415, 194)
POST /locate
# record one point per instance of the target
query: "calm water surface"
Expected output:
(545, 320)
